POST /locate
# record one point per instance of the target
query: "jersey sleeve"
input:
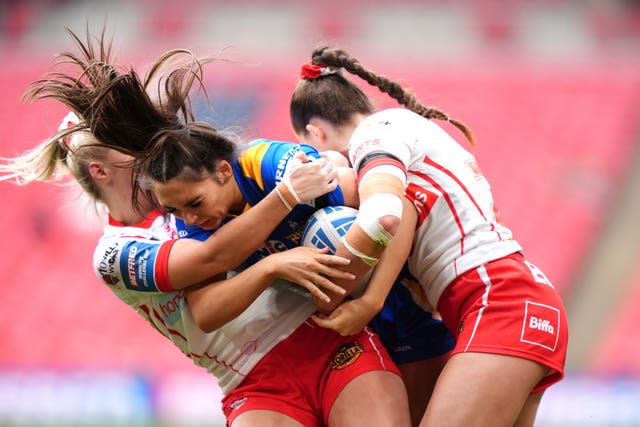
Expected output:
(134, 264)
(380, 133)
(262, 166)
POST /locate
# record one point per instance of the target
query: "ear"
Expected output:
(98, 171)
(224, 171)
(316, 134)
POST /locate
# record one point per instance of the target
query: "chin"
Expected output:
(210, 225)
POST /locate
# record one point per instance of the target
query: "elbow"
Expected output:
(390, 224)
(205, 324)
(203, 317)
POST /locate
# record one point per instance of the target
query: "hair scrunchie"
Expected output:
(311, 71)
(71, 119)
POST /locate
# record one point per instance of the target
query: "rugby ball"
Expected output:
(326, 227)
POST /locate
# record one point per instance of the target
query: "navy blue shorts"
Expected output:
(408, 332)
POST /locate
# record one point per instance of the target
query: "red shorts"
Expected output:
(303, 375)
(508, 307)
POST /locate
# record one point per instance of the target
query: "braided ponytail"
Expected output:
(334, 57)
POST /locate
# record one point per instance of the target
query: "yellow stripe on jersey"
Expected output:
(250, 162)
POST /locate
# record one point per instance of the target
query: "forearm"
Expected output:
(376, 222)
(388, 268)
(392, 260)
(232, 243)
(191, 261)
(216, 304)
(356, 267)
(362, 250)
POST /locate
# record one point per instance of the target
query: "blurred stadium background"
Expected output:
(551, 89)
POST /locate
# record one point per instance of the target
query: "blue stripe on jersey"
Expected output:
(137, 265)
(191, 231)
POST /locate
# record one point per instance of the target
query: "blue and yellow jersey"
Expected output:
(409, 332)
(257, 170)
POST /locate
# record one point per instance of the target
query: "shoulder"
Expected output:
(396, 113)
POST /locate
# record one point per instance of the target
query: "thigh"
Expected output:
(376, 398)
(264, 419)
(527, 417)
(420, 379)
(482, 389)
(363, 386)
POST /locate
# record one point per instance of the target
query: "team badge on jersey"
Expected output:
(346, 355)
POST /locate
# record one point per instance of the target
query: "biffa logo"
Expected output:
(540, 325)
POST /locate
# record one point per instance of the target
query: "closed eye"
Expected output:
(194, 204)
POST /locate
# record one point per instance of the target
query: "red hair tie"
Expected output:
(311, 71)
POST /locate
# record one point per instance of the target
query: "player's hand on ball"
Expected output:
(312, 269)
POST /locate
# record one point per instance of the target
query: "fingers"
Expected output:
(332, 259)
(328, 322)
(314, 290)
(326, 273)
(322, 320)
(310, 180)
(300, 155)
(326, 284)
(322, 167)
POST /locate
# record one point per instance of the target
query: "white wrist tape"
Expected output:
(374, 208)
(292, 165)
(364, 258)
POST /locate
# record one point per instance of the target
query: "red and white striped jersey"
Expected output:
(457, 226)
(132, 262)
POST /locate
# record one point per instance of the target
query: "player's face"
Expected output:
(204, 202)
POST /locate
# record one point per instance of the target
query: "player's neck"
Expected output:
(121, 208)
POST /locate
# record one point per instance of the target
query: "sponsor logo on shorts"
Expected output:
(347, 355)
(237, 403)
(402, 348)
(541, 323)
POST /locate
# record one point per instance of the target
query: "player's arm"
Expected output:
(391, 261)
(192, 262)
(352, 316)
(381, 191)
(216, 304)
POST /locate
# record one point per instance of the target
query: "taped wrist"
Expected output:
(364, 258)
(292, 166)
(288, 200)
